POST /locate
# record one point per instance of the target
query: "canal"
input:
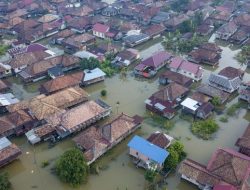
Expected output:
(116, 168)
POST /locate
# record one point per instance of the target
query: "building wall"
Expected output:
(138, 155)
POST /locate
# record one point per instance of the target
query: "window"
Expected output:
(137, 153)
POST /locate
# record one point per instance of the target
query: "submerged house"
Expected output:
(226, 31)
(146, 154)
(95, 141)
(165, 100)
(75, 119)
(92, 76)
(8, 151)
(126, 57)
(186, 68)
(61, 83)
(244, 91)
(244, 142)
(149, 67)
(226, 168)
(228, 79)
(170, 76)
(7, 100)
(160, 139)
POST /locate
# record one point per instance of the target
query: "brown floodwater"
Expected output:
(117, 170)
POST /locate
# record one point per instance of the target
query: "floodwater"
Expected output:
(117, 170)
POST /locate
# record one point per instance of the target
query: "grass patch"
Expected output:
(233, 108)
(224, 119)
(204, 129)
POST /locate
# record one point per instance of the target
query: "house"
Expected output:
(147, 154)
(160, 17)
(92, 76)
(190, 106)
(7, 128)
(6, 100)
(226, 31)
(228, 79)
(110, 11)
(170, 76)
(79, 24)
(160, 139)
(102, 31)
(213, 92)
(4, 86)
(135, 39)
(42, 106)
(95, 141)
(244, 92)
(76, 43)
(226, 167)
(205, 110)
(243, 142)
(165, 100)
(55, 71)
(22, 121)
(200, 97)
(126, 57)
(39, 70)
(241, 35)
(204, 56)
(75, 119)
(186, 68)
(174, 22)
(149, 67)
(61, 82)
(41, 133)
(154, 31)
(61, 35)
(21, 61)
(8, 151)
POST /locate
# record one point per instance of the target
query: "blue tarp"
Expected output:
(148, 149)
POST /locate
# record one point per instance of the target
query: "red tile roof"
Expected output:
(100, 28)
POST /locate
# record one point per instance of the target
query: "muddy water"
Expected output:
(117, 170)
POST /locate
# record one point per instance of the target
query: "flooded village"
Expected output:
(147, 94)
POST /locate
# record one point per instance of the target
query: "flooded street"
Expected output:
(117, 170)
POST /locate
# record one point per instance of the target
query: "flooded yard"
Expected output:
(117, 171)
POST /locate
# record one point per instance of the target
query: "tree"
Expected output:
(172, 160)
(90, 63)
(150, 175)
(204, 129)
(3, 49)
(104, 92)
(186, 26)
(4, 182)
(72, 167)
(179, 5)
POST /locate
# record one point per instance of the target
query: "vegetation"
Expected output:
(93, 63)
(3, 49)
(176, 155)
(72, 167)
(204, 129)
(45, 164)
(244, 55)
(216, 101)
(150, 175)
(174, 42)
(103, 92)
(162, 122)
(4, 182)
(233, 108)
(224, 119)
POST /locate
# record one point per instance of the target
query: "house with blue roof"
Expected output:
(147, 154)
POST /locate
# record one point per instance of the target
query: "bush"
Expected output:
(150, 175)
(232, 109)
(224, 119)
(176, 155)
(103, 92)
(4, 182)
(204, 129)
(45, 164)
(72, 167)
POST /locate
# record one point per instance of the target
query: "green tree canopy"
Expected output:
(205, 129)
(172, 159)
(4, 182)
(72, 167)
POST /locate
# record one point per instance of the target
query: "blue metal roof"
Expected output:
(148, 149)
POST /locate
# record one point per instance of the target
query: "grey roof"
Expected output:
(4, 142)
(224, 82)
(8, 99)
